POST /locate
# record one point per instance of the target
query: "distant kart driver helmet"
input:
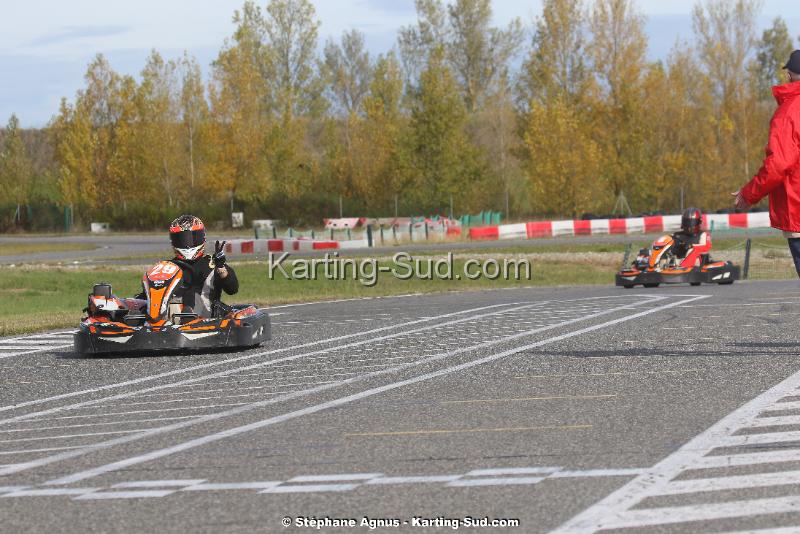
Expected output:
(188, 236)
(691, 221)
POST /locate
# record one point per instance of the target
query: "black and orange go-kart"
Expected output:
(159, 322)
(660, 265)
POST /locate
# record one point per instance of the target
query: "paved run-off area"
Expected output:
(676, 410)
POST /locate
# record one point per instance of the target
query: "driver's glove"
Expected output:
(219, 255)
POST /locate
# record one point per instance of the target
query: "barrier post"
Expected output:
(426, 229)
(291, 233)
(381, 235)
(331, 234)
(349, 236)
(369, 235)
(627, 256)
(312, 233)
(274, 232)
(746, 269)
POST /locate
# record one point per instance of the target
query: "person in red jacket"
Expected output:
(779, 177)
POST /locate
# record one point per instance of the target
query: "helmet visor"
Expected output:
(188, 238)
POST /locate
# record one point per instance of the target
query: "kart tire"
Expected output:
(726, 283)
(695, 283)
(652, 285)
(628, 286)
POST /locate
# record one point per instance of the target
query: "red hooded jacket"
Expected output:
(779, 177)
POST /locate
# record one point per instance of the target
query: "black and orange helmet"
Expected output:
(187, 234)
(692, 221)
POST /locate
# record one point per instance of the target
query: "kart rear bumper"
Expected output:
(725, 274)
(246, 332)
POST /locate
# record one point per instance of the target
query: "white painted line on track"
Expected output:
(68, 436)
(752, 458)
(783, 420)
(664, 515)
(759, 480)
(760, 439)
(414, 479)
(232, 360)
(26, 451)
(335, 478)
(589, 473)
(34, 341)
(122, 464)
(61, 427)
(231, 486)
(495, 481)
(4, 489)
(323, 483)
(780, 406)
(779, 530)
(512, 471)
(310, 488)
(131, 412)
(159, 483)
(622, 508)
(31, 350)
(48, 492)
(296, 394)
(143, 494)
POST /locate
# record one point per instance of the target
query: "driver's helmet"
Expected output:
(691, 221)
(188, 236)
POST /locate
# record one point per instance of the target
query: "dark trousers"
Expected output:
(794, 246)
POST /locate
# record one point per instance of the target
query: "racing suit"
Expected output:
(203, 286)
(689, 248)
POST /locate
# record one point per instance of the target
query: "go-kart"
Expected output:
(161, 322)
(661, 264)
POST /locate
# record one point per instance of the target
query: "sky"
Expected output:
(46, 45)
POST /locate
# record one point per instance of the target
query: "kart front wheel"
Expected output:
(628, 286)
(726, 283)
(694, 283)
(651, 285)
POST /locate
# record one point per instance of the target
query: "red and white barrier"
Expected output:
(263, 247)
(633, 225)
(344, 223)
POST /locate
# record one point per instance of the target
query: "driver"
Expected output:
(691, 243)
(205, 276)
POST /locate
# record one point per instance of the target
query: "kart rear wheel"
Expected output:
(726, 283)
(628, 286)
(695, 283)
(651, 285)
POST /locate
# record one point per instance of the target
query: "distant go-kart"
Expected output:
(159, 322)
(661, 265)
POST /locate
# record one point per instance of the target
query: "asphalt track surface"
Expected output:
(576, 410)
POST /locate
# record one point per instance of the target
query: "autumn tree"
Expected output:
(194, 117)
(240, 111)
(349, 70)
(476, 52)
(443, 163)
(621, 110)
(561, 157)
(379, 158)
(15, 168)
(725, 39)
(564, 162)
(556, 65)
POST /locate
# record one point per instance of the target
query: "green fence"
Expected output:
(484, 218)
